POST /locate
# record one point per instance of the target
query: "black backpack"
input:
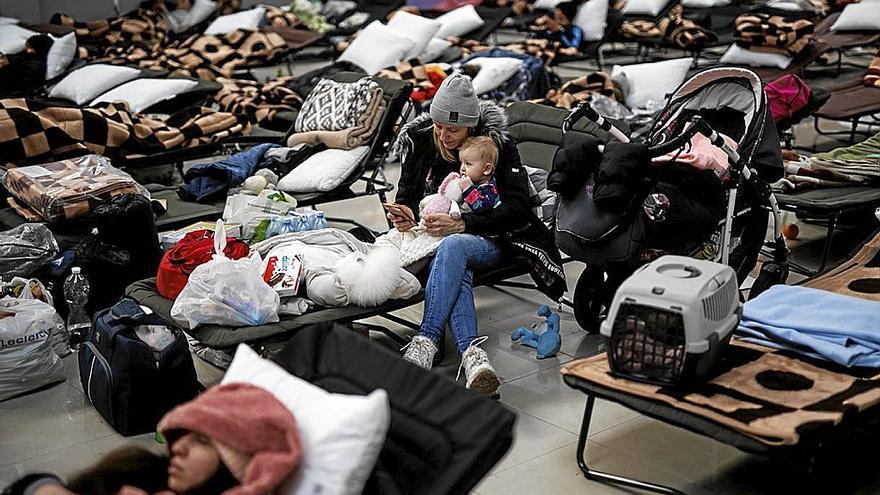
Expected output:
(129, 384)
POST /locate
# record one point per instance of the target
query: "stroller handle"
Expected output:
(583, 109)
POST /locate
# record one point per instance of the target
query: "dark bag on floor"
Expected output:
(131, 385)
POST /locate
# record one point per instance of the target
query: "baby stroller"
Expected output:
(614, 242)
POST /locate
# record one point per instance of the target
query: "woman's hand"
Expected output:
(442, 224)
(402, 222)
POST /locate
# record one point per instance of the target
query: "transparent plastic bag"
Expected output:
(25, 249)
(226, 292)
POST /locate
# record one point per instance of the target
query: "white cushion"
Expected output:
(420, 30)
(141, 94)
(547, 4)
(7, 20)
(787, 5)
(591, 17)
(181, 20)
(434, 50)
(643, 7)
(741, 56)
(14, 38)
(704, 4)
(60, 55)
(323, 171)
(377, 47)
(341, 435)
(863, 16)
(84, 85)
(459, 22)
(650, 82)
(493, 72)
(246, 19)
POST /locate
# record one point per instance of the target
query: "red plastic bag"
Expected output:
(196, 248)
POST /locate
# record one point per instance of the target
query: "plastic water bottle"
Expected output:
(274, 227)
(288, 226)
(76, 293)
(318, 221)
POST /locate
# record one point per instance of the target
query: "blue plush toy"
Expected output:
(548, 341)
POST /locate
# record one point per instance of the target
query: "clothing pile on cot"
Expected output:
(360, 246)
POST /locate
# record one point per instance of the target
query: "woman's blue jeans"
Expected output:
(449, 295)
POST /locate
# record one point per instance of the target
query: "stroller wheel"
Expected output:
(590, 299)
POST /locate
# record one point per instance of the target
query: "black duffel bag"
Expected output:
(129, 383)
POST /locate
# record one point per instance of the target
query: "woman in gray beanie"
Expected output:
(479, 241)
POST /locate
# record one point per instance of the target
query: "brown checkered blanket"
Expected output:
(142, 26)
(258, 102)
(542, 49)
(680, 32)
(872, 77)
(33, 132)
(766, 33)
(857, 277)
(582, 89)
(774, 397)
(67, 189)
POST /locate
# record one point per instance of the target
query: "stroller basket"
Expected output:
(648, 344)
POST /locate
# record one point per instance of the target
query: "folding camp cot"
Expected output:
(378, 10)
(850, 101)
(442, 442)
(841, 41)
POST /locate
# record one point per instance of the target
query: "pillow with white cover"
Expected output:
(547, 4)
(141, 94)
(13, 39)
(704, 4)
(84, 85)
(642, 83)
(592, 17)
(60, 55)
(434, 50)
(420, 30)
(643, 7)
(743, 56)
(493, 72)
(181, 20)
(7, 20)
(246, 19)
(341, 435)
(459, 22)
(323, 171)
(376, 47)
(863, 16)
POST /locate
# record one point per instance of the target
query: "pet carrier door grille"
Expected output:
(648, 344)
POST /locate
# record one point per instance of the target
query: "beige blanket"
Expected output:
(350, 138)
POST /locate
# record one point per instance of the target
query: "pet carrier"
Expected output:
(613, 242)
(669, 321)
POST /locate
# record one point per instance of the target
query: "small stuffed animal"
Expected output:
(447, 198)
(548, 342)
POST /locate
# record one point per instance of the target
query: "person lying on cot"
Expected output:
(233, 439)
(429, 149)
(561, 28)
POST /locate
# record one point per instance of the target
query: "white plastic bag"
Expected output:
(27, 360)
(226, 292)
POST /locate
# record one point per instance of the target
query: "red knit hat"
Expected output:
(254, 433)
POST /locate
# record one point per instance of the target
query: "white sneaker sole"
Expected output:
(487, 383)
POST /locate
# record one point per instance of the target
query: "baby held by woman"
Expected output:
(472, 189)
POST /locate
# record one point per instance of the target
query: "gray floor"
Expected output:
(56, 430)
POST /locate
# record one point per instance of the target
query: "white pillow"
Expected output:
(459, 22)
(650, 82)
(704, 4)
(14, 38)
(419, 29)
(181, 20)
(643, 7)
(591, 17)
(246, 19)
(141, 94)
(741, 56)
(377, 47)
(323, 171)
(547, 4)
(493, 72)
(434, 50)
(863, 16)
(60, 55)
(341, 435)
(84, 85)
(7, 20)
(787, 5)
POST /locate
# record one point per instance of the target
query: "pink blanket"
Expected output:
(701, 154)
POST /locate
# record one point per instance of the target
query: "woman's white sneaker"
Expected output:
(478, 371)
(420, 351)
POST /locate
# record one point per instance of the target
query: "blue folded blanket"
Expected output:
(816, 323)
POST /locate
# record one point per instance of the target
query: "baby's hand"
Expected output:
(464, 183)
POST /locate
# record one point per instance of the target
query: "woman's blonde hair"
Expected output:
(444, 152)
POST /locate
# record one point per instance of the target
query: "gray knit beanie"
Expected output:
(456, 102)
